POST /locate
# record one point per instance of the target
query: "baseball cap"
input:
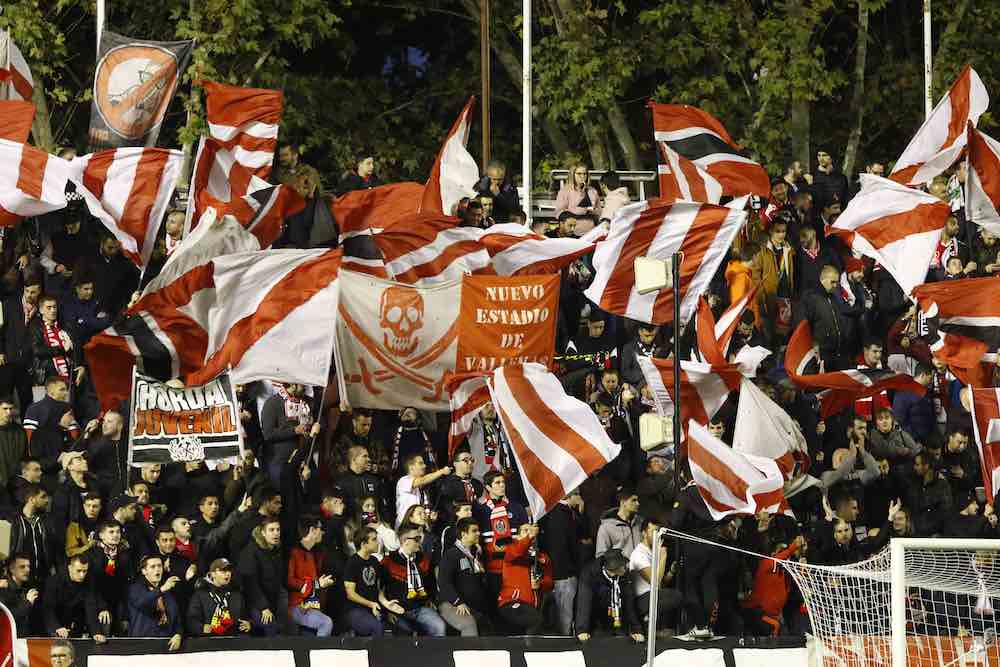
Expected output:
(121, 501)
(220, 564)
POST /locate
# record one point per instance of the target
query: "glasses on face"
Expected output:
(411, 538)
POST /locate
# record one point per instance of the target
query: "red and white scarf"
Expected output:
(53, 338)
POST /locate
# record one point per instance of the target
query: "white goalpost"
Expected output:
(917, 603)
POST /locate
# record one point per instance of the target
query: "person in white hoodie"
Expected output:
(615, 195)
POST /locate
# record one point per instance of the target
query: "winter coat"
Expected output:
(262, 572)
(221, 608)
(569, 199)
(304, 570)
(83, 318)
(593, 587)
(143, 615)
(459, 583)
(819, 308)
(13, 444)
(914, 414)
(65, 602)
(895, 445)
(516, 575)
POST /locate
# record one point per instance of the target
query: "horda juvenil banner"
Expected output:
(507, 321)
(171, 424)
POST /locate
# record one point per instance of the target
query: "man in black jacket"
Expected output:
(929, 498)
(51, 428)
(562, 532)
(15, 340)
(72, 605)
(460, 486)
(19, 596)
(216, 609)
(828, 184)
(498, 187)
(464, 602)
(32, 534)
(112, 566)
(605, 593)
(263, 573)
(821, 310)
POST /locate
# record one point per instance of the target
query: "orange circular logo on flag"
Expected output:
(132, 88)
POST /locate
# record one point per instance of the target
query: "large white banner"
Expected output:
(396, 342)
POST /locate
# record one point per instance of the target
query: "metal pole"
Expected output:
(928, 65)
(526, 107)
(100, 25)
(897, 588)
(654, 596)
(675, 269)
(484, 66)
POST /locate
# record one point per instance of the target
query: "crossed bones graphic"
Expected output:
(394, 368)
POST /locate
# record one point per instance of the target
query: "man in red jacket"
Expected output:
(305, 581)
(526, 577)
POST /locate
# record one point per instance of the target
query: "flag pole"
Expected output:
(100, 25)
(928, 64)
(526, 107)
(675, 270)
(484, 69)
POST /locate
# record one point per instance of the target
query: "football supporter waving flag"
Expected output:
(32, 182)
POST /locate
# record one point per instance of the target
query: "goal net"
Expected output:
(917, 603)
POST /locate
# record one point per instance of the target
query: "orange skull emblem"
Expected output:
(401, 313)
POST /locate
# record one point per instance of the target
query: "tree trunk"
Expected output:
(511, 63)
(858, 99)
(598, 155)
(41, 127)
(619, 125)
(799, 129)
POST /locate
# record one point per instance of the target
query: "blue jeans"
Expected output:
(313, 618)
(363, 622)
(424, 621)
(264, 629)
(564, 600)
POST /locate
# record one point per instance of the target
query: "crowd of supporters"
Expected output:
(361, 523)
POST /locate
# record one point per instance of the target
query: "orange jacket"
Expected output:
(770, 585)
(516, 576)
(740, 280)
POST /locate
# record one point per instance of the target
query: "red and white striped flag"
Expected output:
(236, 156)
(16, 82)
(372, 210)
(243, 311)
(962, 318)
(557, 440)
(455, 171)
(699, 136)
(985, 409)
(730, 320)
(763, 428)
(982, 182)
(469, 395)
(703, 232)
(732, 482)
(128, 190)
(262, 213)
(431, 248)
(940, 140)
(704, 387)
(842, 387)
(32, 182)
(15, 120)
(680, 178)
(898, 226)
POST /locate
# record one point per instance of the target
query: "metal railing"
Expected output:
(544, 206)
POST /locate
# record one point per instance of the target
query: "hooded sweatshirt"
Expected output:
(614, 533)
(262, 571)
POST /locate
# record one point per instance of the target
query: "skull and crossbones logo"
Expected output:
(401, 314)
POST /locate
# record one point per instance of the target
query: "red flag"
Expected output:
(844, 387)
(455, 171)
(699, 136)
(15, 120)
(939, 142)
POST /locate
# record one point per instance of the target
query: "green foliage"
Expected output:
(389, 76)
